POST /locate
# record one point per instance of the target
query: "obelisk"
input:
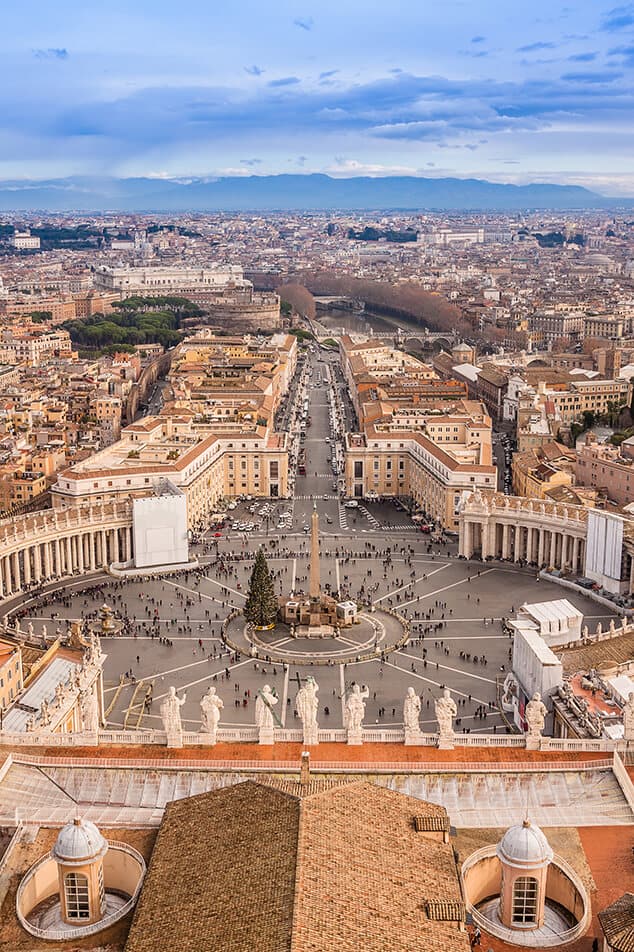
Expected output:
(315, 574)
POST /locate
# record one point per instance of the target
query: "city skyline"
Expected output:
(454, 91)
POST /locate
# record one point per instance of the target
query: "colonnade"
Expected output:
(524, 530)
(56, 544)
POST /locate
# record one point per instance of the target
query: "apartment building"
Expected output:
(410, 445)
(549, 325)
(603, 466)
(215, 439)
(11, 677)
(541, 469)
(595, 396)
(203, 463)
(33, 347)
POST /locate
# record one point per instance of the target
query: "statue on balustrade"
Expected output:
(171, 712)
(45, 716)
(445, 710)
(535, 716)
(264, 704)
(355, 708)
(89, 710)
(307, 705)
(210, 707)
(411, 712)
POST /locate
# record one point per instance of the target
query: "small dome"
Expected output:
(79, 842)
(524, 845)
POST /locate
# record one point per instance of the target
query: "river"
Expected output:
(362, 323)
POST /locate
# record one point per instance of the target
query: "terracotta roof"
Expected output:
(222, 874)
(600, 655)
(250, 867)
(617, 922)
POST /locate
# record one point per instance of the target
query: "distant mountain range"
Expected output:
(292, 192)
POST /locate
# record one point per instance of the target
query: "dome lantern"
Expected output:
(79, 851)
(525, 855)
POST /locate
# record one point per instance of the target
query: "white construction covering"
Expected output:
(535, 666)
(604, 550)
(160, 529)
(621, 686)
(557, 621)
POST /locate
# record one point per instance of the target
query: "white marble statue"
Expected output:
(210, 707)
(45, 717)
(612, 626)
(411, 712)
(535, 715)
(264, 703)
(628, 717)
(307, 705)
(355, 708)
(17, 626)
(44, 632)
(89, 709)
(445, 710)
(171, 712)
(30, 630)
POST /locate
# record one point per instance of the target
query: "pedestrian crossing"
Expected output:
(343, 517)
(318, 496)
(398, 528)
(368, 515)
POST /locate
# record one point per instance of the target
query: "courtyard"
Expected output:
(172, 630)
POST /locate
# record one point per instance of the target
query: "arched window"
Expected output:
(76, 892)
(525, 901)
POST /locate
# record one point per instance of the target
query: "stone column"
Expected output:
(91, 549)
(8, 581)
(16, 571)
(542, 540)
(115, 545)
(58, 556)
(37, 562)
(485, 532)
(104, 549)
(26, 558)
(506, 532)
(47, 559)
(127, 541)
(80, 552)
(553, 548)
(69, 555)
(517, 544)
(575, 554)
(465, 541)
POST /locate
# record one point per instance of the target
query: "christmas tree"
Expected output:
(261, 605)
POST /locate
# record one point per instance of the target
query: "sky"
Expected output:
(538, 91)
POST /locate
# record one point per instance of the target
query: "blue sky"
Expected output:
(541, 91)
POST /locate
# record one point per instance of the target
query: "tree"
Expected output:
(261, 604)
(299, 298)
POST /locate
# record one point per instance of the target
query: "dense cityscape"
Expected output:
(251, 458)
(316, 477)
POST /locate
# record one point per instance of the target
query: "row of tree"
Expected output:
(137, 320)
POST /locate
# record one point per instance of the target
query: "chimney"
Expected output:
(304, 769)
